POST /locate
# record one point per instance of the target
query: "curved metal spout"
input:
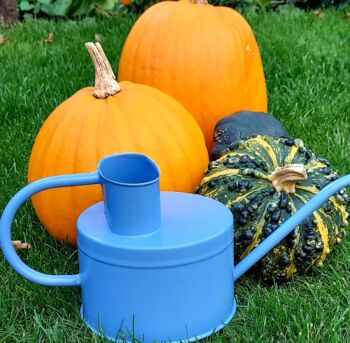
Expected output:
(289, 225)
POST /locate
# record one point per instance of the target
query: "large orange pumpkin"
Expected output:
(204, 56)
(107, 119)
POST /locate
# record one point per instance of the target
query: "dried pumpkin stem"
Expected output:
(105, 80)
(285, 178)
(198, 2)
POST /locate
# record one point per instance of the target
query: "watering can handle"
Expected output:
(289, 225)
(10, 211)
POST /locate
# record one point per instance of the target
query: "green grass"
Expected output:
(307, 66)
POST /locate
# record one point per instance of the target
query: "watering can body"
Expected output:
(157, 286)
(155, 266)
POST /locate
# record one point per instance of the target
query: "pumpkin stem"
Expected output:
(105, 80)
(198, 2)
(285, 178)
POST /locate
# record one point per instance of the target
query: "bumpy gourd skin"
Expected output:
(239, 179)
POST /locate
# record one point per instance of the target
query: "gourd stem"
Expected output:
(105, 80)
(284, 178)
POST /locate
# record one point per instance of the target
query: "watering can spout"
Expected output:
(289, 225)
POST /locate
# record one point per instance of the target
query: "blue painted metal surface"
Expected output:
(153, 265)
(175, 283)
(9, 213)
(131, 193)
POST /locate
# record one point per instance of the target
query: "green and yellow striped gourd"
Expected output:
(264, 180)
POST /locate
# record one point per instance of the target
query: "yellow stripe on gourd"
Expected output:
(255, 238)
(292, 268)
(324, 235)
(245, 195)
(210, 194)
(254, 152)
(232, 154)
(221, 173)
(267, 147)
(310, 189)
(321, 228)
(342, 209)
(317, 165)
(291, 155)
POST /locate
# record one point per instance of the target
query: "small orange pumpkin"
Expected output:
(205, 56)
(111, 118)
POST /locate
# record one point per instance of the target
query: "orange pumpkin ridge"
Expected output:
(204, 56)
(112, 117)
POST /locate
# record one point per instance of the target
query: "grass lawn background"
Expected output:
(307, 67)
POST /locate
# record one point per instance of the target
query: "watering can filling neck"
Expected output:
(128, 169)
(130, 183)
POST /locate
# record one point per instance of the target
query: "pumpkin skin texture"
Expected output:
(240, 179)
(242, 125)
(83, 129)
(205, 56)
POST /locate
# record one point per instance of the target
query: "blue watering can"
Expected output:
(155, 266)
